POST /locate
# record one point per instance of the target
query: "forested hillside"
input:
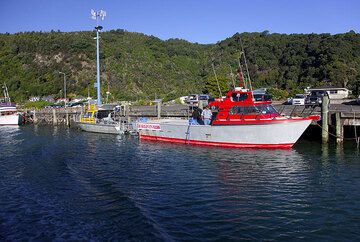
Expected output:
(139, 67)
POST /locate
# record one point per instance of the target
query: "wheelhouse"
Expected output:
(239, 105)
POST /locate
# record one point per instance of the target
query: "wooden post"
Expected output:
(339, 129)
(67, 118)
(81, 114)
(34, 117)
(325, 119)
(54, 117)
(158, 108)
(127, 112)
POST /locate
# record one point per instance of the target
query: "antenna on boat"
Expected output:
(232, 76)
(246, 65)
(217, 81)
(240, 72)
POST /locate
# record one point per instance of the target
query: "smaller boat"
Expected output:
(8, 111)
(101, 120)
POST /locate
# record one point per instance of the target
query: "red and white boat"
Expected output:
(241, 122)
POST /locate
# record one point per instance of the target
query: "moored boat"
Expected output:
(100, 120)
(240, 122)
(8, 111)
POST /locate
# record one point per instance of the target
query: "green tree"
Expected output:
(213, 84)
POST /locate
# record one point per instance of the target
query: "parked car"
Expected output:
(261, 94)
(262, 97)
(358, 100)
(194, 99)
(315, 98)
(299, 99)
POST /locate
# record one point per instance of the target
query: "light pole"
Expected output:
(64, 85)
(96, 15)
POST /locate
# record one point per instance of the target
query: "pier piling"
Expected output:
(67, 118)
(54, 117)
(34, 117)
(158, 108)
(127, 112)
(339, 129)
(325, 119)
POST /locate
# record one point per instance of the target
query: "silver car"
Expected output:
(299, 99)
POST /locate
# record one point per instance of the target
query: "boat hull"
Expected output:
(13, 119)
(100, 128)
(264, 135)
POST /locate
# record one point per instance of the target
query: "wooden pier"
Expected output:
(61, 116)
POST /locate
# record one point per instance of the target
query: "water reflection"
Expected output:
(325, 153)
(100, 187)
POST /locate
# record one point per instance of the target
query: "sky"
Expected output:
(201, 21)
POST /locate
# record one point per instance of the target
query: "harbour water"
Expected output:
(58, 183)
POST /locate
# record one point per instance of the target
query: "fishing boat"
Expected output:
(240, 122)
(9, 114)
(100, 120)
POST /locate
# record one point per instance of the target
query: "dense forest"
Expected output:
(139, 67)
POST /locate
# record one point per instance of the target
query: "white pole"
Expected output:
(64, 86)
(98, 66)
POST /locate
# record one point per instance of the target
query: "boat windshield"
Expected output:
(236, 97)
(88, 114)
(267, 109)
(263, 109)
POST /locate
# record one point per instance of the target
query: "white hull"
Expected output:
(100, 128)
(12, 119)
(268, 135)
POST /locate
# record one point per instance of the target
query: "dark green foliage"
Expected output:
(38, 104)
(139, 67)
(213, 85)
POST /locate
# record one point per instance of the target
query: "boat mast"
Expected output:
(232, 76)
(240, 71)
(246, 65)
(217, 81)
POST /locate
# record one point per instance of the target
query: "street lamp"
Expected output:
(96, 15)
(64, 85)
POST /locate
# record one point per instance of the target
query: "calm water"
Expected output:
(64, 184)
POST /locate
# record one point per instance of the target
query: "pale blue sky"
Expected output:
(203, 21)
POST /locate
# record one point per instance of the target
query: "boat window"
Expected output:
(236, 97)
(264, 109)
(88, 115)
(243, 110)
(103, 114)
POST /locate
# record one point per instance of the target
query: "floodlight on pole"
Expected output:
(96, 15)
(64, 86)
